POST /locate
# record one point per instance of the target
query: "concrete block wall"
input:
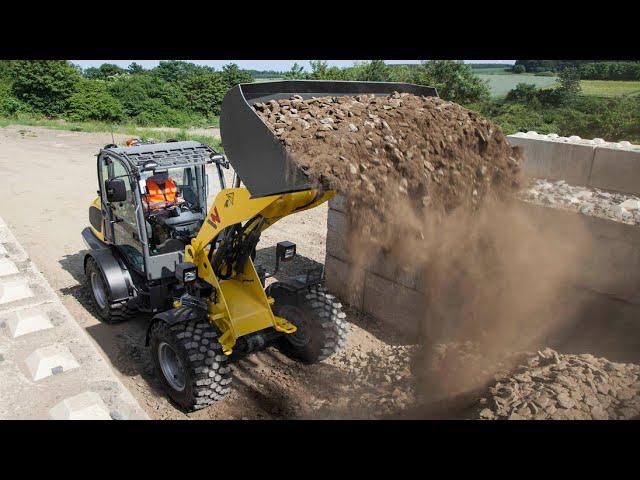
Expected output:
(383, 290)
(395, 297)
(592, 163)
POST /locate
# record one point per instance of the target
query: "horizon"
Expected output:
(259, 65)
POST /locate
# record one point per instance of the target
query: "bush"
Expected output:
(92, 101)
(518, 69)
(204, 93)
(45, 85)
(135, 91)
(545, 74)
(524, 92)
(454, 80)
(9, 104)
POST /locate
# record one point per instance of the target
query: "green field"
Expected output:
(610, 88)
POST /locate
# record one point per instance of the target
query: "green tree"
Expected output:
(92, 101)
(373, 71)
(295, 73)
(233, 75)
(453, 79)
(524, 92)
(45, 85)
(204, 93)
(518, 69)
(400, 73)
(177, 70)
(569, 79)
(135, 69)
(103, 72)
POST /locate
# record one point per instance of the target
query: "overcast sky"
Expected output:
(277, 65)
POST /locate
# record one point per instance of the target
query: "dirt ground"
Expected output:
(49, 179)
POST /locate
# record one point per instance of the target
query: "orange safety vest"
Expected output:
(160, 195)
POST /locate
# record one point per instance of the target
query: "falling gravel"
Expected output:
(384, 151)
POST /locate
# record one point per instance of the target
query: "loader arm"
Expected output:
(240, 305)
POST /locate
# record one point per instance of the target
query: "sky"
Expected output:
(277, 65)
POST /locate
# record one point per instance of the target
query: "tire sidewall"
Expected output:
(162, 333)
(92, 267)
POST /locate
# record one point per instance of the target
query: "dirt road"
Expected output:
(49, 179)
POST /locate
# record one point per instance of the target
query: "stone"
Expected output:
(565, 401)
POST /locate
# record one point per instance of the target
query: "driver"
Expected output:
(162, 192)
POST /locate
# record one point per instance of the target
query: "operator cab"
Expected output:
(153, 201)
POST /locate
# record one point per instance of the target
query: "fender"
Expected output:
(116, 275)
(171, 317)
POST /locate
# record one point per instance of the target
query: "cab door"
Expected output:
(122, 223)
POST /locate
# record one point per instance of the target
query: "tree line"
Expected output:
(174, 93)
(587, 69)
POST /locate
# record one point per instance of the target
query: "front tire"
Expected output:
(321, 324)
(109, 312)
(189, 362)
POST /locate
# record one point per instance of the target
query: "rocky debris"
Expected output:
(388, 150)
(550, 385)
(588, 201)
(380, 382)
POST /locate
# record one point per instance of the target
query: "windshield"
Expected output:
(184, 178)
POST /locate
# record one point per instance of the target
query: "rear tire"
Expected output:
(109, 312)
(189, 363)
(322, 329)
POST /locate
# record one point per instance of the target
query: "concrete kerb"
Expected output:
(49, 368)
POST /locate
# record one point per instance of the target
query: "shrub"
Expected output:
(204, 93)
(454, 80)
(518, 69)
(524, 92)
(92, 101)
(45, 85)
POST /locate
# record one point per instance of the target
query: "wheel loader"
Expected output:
(191, 265)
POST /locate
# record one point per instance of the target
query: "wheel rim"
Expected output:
(172, 367)
(99, 292)
(301, 336)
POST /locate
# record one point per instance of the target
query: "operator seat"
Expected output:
(162, 192)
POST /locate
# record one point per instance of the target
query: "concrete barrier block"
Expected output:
(338, 203)
(395, 305)
(555, 158)
(27, 321)
(7, 267)
(337, 245)
(344, 281)
(51, 360)
(337, 221)
(14, 289)
(85, 406)
(384, 266)
(616, 169)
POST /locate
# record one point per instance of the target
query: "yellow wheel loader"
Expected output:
(192, 265)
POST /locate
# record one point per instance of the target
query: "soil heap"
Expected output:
(383, 151)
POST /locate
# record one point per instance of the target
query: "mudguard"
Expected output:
(115, 273)
(171, 317)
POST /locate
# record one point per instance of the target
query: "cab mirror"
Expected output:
(116, 190)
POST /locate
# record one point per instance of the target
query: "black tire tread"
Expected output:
(210, 372)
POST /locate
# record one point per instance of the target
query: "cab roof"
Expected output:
(166, 155)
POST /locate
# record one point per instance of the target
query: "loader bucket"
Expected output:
(256, 154)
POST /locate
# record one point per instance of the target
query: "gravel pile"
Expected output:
(564, 387)
(589, 201)
(380, 383)
(378, 150)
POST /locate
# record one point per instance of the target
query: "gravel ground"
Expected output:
(589, 201)
(557, 386)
